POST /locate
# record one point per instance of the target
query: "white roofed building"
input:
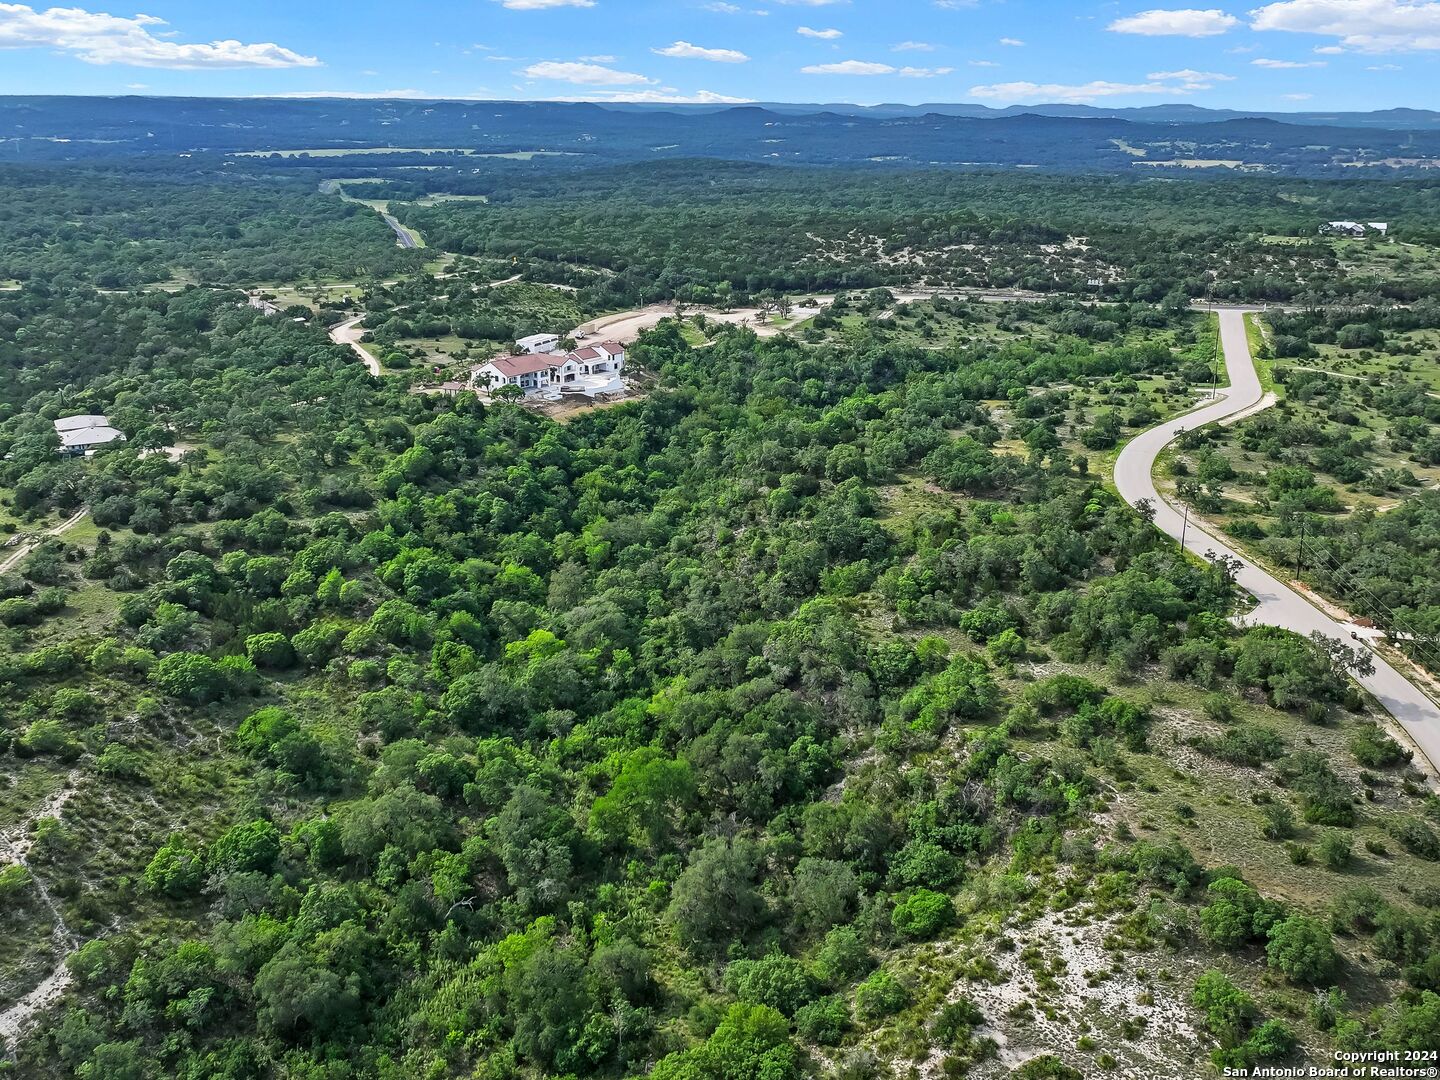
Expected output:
(538, 343)
(83, 433)
(592, 370)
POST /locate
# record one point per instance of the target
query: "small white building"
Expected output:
(593, 370)
(538, 343)
(83, 434)
(1382, 227)
(1343, 228)
(260, 304)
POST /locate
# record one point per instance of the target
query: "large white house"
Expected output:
(82, 434)
(593, 370)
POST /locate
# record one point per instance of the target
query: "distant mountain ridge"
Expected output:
(1158, 140)
(1177, 112)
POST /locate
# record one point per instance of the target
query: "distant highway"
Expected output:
(407, 238)
(1276, 603)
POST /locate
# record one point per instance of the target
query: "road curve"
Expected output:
(349, 333)
(1276, 603)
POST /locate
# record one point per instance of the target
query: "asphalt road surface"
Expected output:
(1276, 603)
(401, 233)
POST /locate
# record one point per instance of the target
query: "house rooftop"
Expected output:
(81, 421)
(90, 436)
(510, 366)
(587, 353)
(612, 346)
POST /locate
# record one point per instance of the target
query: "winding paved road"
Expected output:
(1276, 603)
(349, 333)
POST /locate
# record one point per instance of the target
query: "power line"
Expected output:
(1336, 569)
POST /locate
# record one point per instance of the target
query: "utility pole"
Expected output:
(1300, 548)
(1184, 527)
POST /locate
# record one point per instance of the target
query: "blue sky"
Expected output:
(1291, 54)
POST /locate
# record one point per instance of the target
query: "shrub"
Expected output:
(778, 981)
(1336, 850)
(1046, 1067)
(923, 914)
(843, 957)
(1246, 744)
(1236, 914)
(1376, 750)
(177, 869)
(1228, 1009)
(269, 650)
(253, 845)
(1416, 837)
(879, 996)
(824, 1021)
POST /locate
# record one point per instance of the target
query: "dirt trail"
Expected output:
(15, 846)
(13, 559)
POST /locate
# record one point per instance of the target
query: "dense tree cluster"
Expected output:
(112, 230)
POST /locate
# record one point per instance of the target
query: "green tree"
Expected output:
(177, 869)
(923, 914)
(1300, 948)
(253, 845)
(751, 1043)
(716, 898)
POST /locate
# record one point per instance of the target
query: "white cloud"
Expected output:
(823, 35)
(1384, 67)
(811, 3)
(1189, 75)
(956, 5)
(1286, 65)
(1329, 50)
(849, 67)
(721, 8)
(1365, 25)
(983, 63)
(1012, 42)
(913, 46)
(541, 5)
(1185, 22)
(1297, 97)
(97, 38)
(583, 74)
(685, 51)
(924, 73)
(599, 59)
(1033, 93)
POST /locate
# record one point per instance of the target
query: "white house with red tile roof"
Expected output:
(594, 369)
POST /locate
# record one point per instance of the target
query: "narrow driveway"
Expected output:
(349, 333)
(13, 559)
(1276, 603)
